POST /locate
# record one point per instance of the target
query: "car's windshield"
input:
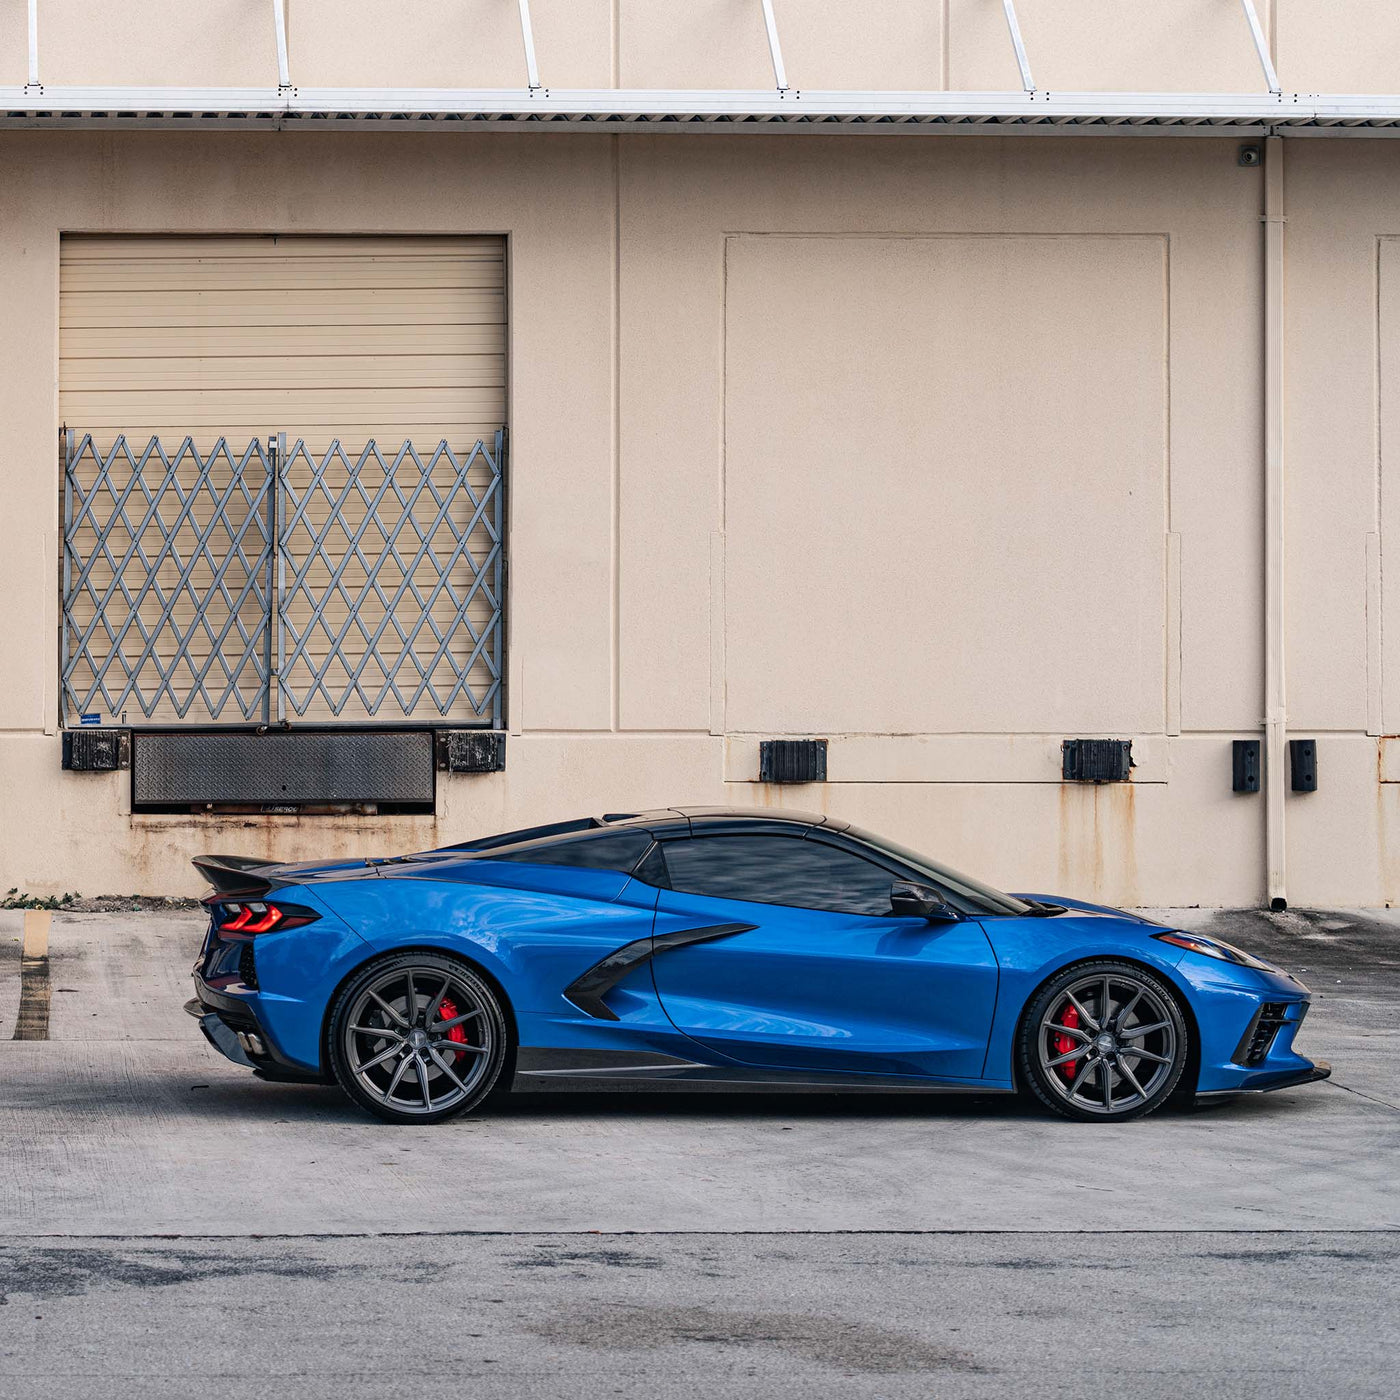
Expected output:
(983, 898)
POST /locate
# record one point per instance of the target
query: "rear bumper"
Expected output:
(219, 1033)
(1267, 1083)
(231, 1026)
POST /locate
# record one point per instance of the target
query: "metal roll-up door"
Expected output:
(283, 492)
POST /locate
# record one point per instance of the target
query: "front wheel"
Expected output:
(418, 1038)
(1103, 1041)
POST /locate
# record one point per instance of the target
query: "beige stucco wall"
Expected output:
(944, 448)
(901, 45)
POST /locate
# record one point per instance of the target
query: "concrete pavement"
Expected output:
(1249, 1246)
(897, 1317)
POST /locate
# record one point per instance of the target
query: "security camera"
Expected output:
(1250, 155)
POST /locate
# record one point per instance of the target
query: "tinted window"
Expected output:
(616, 851)
(966, 894)
(652, 871)
(779, 870)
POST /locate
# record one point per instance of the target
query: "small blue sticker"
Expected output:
(90, 719)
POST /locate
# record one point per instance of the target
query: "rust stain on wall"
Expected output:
(1388, 837)
(269, 838)
(1097, 857)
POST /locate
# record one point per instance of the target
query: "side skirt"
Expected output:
(545, 1070)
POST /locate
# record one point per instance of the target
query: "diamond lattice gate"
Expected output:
(258, 583)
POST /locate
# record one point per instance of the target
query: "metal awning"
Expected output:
(784, 106)
(614, 109)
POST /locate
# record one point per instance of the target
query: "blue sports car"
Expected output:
(702, 948)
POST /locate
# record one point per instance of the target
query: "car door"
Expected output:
(824, 976)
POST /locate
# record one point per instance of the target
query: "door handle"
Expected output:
(587, 990)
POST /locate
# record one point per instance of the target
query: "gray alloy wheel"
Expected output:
(1103, 1041)
(417, 1038)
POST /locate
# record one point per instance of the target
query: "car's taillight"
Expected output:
(259, 916)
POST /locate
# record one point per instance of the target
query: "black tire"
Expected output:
(409, 1065)
(1092, 1071)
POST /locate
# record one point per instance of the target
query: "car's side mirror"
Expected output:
(910, 900)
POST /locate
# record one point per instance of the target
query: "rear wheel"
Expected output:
(1104, 1041)
(418, 1038)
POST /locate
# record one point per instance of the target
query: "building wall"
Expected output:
(944, 448)
(895, 45)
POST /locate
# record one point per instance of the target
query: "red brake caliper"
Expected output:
(1065, 1043)
(447, 1009)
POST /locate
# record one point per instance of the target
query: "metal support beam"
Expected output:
(1276, 766)
(775, 48)
(33, 84)
(1019, 44)
(1261, 47)
(279, 21)
(527, 35)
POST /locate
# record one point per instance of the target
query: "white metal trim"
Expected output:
(527, 35)
(613, 109)
(1017, 43)
(1261, 46)
(34, 45)
(279, 23)
(775, 48)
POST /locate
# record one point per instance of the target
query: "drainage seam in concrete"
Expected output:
(1389, 1229)
(1370, 1098)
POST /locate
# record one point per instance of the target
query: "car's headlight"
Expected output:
(1214, 948)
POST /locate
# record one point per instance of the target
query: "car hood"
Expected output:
(1079, 906)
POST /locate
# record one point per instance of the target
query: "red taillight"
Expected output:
(264, 918)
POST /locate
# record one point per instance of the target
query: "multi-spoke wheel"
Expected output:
(1103, 1041)
(417, 1038)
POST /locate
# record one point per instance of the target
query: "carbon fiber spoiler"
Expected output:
(235, 874)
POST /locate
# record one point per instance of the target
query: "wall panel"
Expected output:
(906, 552)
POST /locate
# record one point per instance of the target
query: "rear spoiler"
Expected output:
(235, 875)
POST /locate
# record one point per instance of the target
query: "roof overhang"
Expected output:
(1015, 113)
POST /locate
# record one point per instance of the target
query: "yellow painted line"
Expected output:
(36, 933)
(33, 1022)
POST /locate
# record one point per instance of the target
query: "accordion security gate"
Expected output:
(261, 583)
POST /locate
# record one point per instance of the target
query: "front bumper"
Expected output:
(1267, 1083)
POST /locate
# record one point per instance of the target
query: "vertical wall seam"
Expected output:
(719, 679)
(615, 526)
(1375, 543)
(945, 60)
(1167, 376)
(1375, 678)
(1172, 579)
(1173, 634)
(615, 23)
(1275, 673)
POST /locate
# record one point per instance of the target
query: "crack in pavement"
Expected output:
(1370, 1098)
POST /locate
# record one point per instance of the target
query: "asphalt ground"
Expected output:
(170, 1226)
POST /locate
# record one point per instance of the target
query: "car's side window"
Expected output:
(767, 869)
